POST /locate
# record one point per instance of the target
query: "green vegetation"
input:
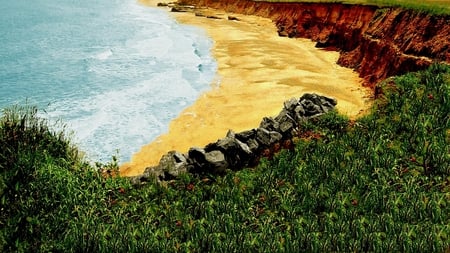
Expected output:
(380, 183)
(436, 7)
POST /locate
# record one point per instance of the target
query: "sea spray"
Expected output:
(114, 71)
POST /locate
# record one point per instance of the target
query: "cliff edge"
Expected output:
(377, 42)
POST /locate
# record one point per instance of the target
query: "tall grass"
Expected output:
(377, 184)
(435, 7)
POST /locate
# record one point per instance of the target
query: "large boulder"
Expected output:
(216, 162)
(237, 153)
(314, 105)
(171, 165)
(270, 124)
(267, 138)
(197, 160)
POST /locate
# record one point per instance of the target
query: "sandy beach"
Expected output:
(257, 72)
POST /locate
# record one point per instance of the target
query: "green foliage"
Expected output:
(377, 184)
(434, 7)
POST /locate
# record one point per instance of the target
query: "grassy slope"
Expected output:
(380, 184)
(437, 7)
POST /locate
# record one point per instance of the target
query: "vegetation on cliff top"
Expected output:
(380, 183)
(436, 7)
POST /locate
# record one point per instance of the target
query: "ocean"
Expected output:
(115, 72)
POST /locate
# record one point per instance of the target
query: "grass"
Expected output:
(435, 7)
(380, 184)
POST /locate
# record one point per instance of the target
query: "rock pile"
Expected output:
(239, 150)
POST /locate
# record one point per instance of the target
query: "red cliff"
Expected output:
(376, 42)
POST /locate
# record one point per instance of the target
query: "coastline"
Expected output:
(257, 72)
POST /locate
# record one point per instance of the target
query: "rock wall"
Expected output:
(239, 150)
(376, 42)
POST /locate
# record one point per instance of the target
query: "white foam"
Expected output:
(137, 86)
(104, 55)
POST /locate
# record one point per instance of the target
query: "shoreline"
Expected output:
(258, 71)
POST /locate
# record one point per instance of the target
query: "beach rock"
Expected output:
(213, 17)
(244, 136)
(239, 150)
(270, 124)
(290, 104)
(237, 153)
(233, 18)
(197, 160)
(216, 162)
(170, 166)
(178, 9)
(266, 138)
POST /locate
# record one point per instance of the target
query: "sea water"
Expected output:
(113, 71)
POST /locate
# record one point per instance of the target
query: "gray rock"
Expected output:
(216, 161)
(253, 145)
(311, 109)
(231, 134)
(270, 124)
(197, 160)
(267, 138)
(299, 112)
(236, 152)
(244, 136)
(286, 122)
(171, 164)
(314, 104)
(291, 104)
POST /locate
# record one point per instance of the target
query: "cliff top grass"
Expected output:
(435, 7)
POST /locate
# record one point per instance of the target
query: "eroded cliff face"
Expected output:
(376, 42)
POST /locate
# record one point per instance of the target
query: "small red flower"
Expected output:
(178, 223)
(354, 202)
(190, 187)
(413, 159)
(121, 190)
(430, 96)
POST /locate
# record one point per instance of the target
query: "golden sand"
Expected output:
(257, 72)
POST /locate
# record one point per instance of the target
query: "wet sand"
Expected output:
(257, 72)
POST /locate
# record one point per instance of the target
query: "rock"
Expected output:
(244, 136)
(216, 161)
(182, 8)
(197, 160)
(314, 105)
(233, 18)
(253, 145)
(178, 9)
(213, 17)
(290, 104)
(299, 113)
(231, 134)
(171, 164)
(310, 108)
(266, 138)
(285, 121)
(269, 124)
(236, 152)
(162, 5)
